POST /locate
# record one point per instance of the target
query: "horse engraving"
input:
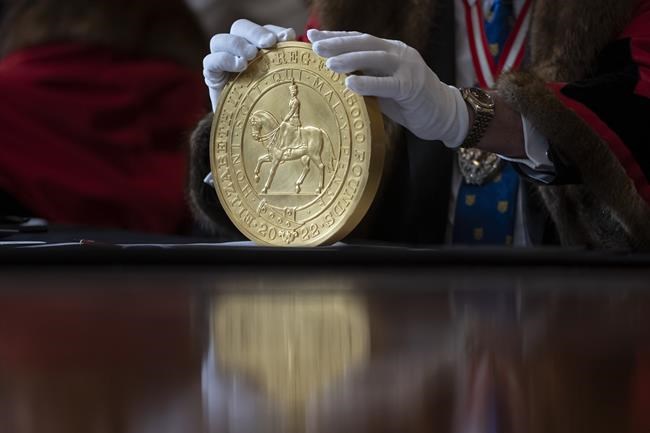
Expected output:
(289, 141)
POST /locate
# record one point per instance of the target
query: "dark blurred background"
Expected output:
(99, 101)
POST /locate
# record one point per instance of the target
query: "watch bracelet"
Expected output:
(478, 128)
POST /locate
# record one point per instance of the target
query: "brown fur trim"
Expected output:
(203, 200)
(154, 29)
(567, 36)
(406, 20)
(606, 211)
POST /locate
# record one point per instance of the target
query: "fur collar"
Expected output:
(563, 50)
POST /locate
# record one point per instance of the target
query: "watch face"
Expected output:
(482, 98)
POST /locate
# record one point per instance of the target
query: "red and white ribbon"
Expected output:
(512, 54)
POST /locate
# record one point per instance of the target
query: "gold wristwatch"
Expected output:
(483, 106)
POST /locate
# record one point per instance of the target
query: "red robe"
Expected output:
(90, 136)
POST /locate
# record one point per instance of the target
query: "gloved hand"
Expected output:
(409, 92)
(231, 52)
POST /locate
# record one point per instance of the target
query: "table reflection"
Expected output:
(308, 352)
(462, 361)
(97, 358)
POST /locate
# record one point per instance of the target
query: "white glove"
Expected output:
(231, 52)
(409, 92)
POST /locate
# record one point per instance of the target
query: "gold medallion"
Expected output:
(296, 156)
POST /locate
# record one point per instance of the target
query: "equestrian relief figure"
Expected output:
(290, 141)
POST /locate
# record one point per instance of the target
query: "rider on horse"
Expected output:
(289, 129)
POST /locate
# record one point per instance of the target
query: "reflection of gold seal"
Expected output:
(296, 156)
(292, 346)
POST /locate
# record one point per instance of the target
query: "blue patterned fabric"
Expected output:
(485, 214)
(499, 20)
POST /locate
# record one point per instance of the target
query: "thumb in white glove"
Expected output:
(231, 52)
(409, 92)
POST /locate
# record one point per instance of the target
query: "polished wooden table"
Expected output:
(105, 338)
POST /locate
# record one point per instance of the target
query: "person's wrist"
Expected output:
(482, 111)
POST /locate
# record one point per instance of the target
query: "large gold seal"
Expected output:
(295, 155)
